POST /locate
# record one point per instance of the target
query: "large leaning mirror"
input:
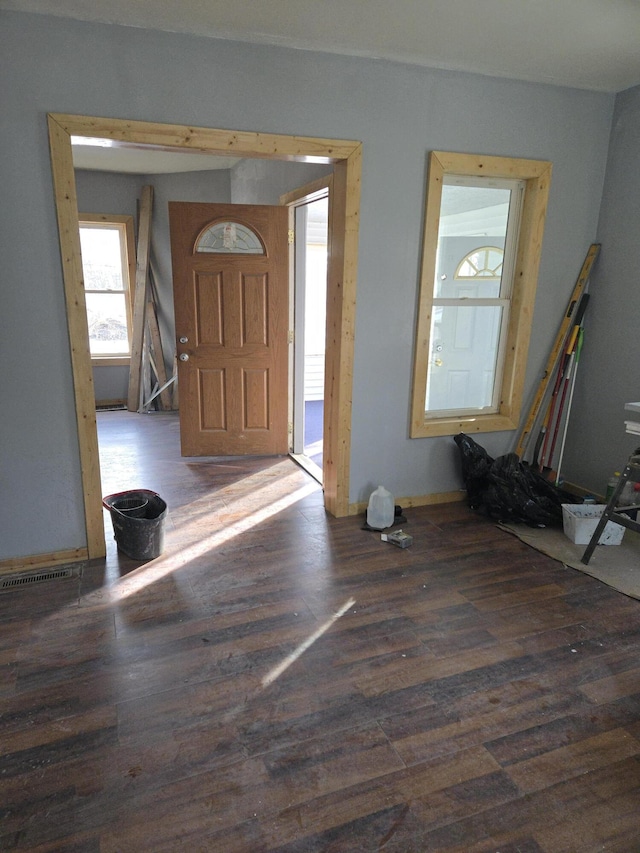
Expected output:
(484, 224)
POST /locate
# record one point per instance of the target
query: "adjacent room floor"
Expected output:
(279, 680)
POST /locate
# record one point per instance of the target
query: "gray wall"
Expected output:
(106, 192)
(609, 372)
(399, 112)
(264, 181)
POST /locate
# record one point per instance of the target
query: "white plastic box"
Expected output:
(580, 521)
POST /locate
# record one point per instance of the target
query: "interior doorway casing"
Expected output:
(345, 155)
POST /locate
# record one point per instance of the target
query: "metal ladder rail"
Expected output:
(617, 513)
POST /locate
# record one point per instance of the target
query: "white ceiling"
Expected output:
(588, 44)
(106, 156)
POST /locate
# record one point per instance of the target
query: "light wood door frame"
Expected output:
(346, 157)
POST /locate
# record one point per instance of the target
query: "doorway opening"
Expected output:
(344, 155)
(309, 219)
(313, 223)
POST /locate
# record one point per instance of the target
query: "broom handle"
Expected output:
(560, 413)
(566, 422)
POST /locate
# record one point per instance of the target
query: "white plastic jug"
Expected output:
(381, 509)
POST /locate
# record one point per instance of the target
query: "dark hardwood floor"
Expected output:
(282, 681)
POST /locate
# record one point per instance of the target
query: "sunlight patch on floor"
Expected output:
(276, 498)
(277, 671)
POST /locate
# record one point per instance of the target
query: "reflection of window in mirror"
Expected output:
(483, 234)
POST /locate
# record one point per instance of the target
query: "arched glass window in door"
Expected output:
(230, 238)
(485, 262)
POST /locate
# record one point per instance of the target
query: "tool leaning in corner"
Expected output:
(565, 372)
(559, 346)
(572, 380)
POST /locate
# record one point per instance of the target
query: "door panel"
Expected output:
(232, 309)
(208, 309)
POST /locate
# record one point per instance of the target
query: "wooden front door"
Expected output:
(230, 286)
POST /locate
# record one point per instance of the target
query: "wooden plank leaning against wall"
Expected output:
(140, 297)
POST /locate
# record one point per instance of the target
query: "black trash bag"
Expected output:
(507, 490)
(476, 465)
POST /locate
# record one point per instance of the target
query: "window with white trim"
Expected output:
(108, 266)
(471, 298)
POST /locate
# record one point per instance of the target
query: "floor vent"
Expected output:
(16, 581)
